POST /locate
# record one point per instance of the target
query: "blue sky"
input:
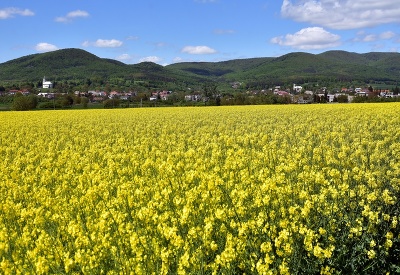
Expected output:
(170, 31)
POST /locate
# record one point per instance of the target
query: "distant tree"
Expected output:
(396, 90)
(24, 103)
(284, 100)
(342, 99)
(84, 102)
(67, 101)
(210, 91)
(218, 101)
(27, 85)
(7, 99)
(111, 103)
(240, 99)
(107, 88)
(77, 99)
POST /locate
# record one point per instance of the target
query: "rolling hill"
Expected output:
(77, 64)
(299, 67)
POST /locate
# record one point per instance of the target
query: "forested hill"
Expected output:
(299, 67)
(77, 64)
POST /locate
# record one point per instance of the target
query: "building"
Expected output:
(47, 84)
(297, 88)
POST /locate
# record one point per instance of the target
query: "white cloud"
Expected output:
(154, 59)
(309, 39)
(71, 15)
(362, 36)
(124, 57)
(11, 12)
(45, 47)
(369, 38)
(387, 35)
(103, 43)
(198, 50)
(342, 14)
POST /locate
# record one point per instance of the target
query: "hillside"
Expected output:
(62, 64)
(301, 67)
(77, 64)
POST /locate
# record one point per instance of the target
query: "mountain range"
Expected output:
(298, 67)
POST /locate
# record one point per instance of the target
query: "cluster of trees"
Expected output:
(20, 102)
(23, 103)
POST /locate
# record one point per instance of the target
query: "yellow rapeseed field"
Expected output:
(219, 190)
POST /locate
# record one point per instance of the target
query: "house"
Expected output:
(307, 97)
(304, 100)
(362, 92)
(125, 96)
(160, 95)
(47, 95)
(282, 93)
(193, 97)
(311, 93)
(114, 94)
(13, 92)
(277, 88)
(297, 88)
(47, 84)
(97, 93)
(358, 90)
(330, 98)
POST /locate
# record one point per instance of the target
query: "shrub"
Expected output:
(24, 103)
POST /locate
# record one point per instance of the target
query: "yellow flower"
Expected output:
(326, 270)
(371, 254)
(387, 198)
(372, 244)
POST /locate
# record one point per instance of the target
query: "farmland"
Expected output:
(219, 190)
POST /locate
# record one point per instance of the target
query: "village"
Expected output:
(296, 94)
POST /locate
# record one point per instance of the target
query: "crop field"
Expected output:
(218, 190)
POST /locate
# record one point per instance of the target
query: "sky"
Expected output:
(171, 31)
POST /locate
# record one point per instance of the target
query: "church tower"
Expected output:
(46, 84)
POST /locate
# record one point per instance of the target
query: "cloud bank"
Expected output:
(342, 14)
(45, 47)
(104, 43)
(11, 12)
(154, 59)
(308, 39)
(198, 50)
(72, 15)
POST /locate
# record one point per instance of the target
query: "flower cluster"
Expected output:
(218, 190)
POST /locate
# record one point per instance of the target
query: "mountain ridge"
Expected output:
(77, 64)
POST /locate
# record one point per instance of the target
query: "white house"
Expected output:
(297, 88)
(47, 84)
